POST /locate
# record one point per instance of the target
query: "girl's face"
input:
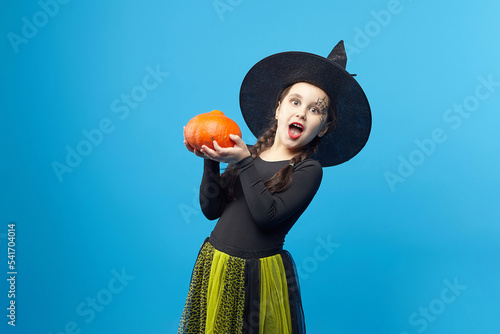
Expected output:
(302, 115)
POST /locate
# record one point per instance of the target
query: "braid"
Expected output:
(228, 178)
(264, 142)
(283, 178)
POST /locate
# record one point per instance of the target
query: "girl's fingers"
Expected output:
(189, 147)
(199, 153)
(235, 138)
(193, 150)
(208, 152)
(206, 149)
(219, 153)
(217, 147)
(226, 154)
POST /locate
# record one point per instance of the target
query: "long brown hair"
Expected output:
(282, 179)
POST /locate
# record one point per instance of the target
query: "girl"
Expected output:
(314, 115)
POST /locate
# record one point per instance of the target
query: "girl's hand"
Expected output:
(228, 155)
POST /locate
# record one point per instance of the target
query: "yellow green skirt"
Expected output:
(234, 291)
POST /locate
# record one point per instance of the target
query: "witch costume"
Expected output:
(243, 280)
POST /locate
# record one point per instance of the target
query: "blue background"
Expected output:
(388, 231)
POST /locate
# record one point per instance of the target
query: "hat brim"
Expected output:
(267, 79)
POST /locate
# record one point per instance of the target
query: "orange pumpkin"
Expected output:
(203, 129)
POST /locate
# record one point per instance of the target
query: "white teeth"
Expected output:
(298, 125)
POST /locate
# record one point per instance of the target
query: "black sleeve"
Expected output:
(271, 209)
(212, 195)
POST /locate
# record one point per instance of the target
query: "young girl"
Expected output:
(307, 113)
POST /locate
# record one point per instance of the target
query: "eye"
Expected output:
(295, 102)
(315, 110)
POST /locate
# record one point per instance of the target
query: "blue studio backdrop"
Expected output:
(99, 219)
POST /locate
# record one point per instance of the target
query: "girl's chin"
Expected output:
(294, 145)
(299, 141)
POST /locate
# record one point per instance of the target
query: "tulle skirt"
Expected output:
(235, 291)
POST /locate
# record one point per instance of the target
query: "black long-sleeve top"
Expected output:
(257, 219)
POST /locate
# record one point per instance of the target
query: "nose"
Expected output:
(301, 113)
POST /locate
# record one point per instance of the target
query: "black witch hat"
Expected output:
(269, 77)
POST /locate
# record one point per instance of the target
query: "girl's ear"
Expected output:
(325, 129)
(277, 110)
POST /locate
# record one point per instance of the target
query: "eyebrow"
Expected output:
(300, 96)
(314, 103)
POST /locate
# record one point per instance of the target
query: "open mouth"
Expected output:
(295, 130)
